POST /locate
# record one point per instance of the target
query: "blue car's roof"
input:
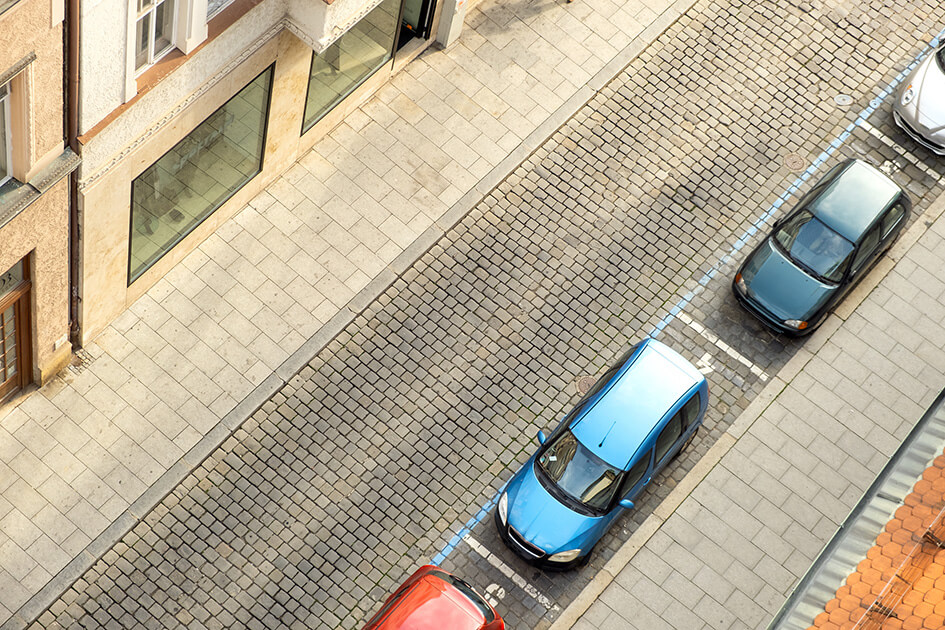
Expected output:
(616, 426)
(854, 199)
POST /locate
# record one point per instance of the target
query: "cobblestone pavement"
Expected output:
(372, 457)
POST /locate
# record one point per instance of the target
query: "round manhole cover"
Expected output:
(794, 162)
(585, 383)
(843, 100)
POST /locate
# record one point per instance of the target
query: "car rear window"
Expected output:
(469, 592)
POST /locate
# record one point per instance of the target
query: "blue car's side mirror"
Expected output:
(541, 437)
(626, 504)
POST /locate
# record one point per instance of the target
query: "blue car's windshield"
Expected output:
(814, 246)
(580, 473)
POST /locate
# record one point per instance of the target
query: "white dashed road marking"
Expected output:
(721, 345)
(508, 572)
(901, 150)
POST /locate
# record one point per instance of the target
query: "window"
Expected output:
(814, 246)
(351, 59)
(154, 31)
(579, 473)
(176, 193)
(635, 475)
(668, 437)
(891, 220)
(5, 141)
(690, 410)
(866, 250)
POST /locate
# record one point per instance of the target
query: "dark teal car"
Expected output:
(822, 248)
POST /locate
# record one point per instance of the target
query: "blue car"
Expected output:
(822, 248)
(641, 413)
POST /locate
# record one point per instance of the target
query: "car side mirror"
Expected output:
(626, 504)
(542, 438)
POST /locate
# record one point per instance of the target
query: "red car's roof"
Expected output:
(432, 603)
(429, 603)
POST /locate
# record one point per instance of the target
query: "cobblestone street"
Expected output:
(372, 457)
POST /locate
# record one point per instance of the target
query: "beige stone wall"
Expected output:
(105, 205)
(24, 29)
(41, 231)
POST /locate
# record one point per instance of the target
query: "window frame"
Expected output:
(659, 457)
(152, 57)
(895, 208)
(134, 277)
(6, 141)
(862, 256)
(626, 487)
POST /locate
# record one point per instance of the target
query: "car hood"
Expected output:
(780, 287)
(544, 521)
(928, 106)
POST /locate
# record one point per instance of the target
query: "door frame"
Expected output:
(19, 298)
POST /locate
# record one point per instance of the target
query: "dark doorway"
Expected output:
(416, 20)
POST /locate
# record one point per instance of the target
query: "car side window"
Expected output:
(892, 218)
(866, 249)
(634, 476)
(690, 410)
(668, 436)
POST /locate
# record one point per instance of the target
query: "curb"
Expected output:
(580, 605)
(173, 476)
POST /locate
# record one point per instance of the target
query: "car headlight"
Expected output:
(907, 95)
(565, 556)
(797, 324)
(741, 284)
(503, 508)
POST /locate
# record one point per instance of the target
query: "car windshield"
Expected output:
(814, 246)
(580, 473)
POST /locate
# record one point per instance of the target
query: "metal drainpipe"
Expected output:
(72, 130)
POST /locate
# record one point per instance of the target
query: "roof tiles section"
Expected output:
(900, 584)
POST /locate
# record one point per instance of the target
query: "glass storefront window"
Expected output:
(176, 193)
(351, 59)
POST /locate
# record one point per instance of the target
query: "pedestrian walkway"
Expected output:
(729, 544)
(86, 456)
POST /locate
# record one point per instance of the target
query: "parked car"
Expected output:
(919, 108)
(822, 248)
(434, 599)
(638, 416)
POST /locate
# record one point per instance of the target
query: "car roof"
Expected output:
(432, 603)
(626, 413)
(852, 201)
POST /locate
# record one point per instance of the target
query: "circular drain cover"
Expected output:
(843, 99)
(794, 162)
(585, 383)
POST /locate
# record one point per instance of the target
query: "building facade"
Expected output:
(35, 164)
(189, 108)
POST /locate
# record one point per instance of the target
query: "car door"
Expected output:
(866, 252)
(636, 480)
(677, 431)
(892, 223)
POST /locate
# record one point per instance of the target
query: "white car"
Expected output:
(919, 108)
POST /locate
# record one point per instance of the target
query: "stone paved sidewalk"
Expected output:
(727, 547)
(85, 456)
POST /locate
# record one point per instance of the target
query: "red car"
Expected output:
(432, 599)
